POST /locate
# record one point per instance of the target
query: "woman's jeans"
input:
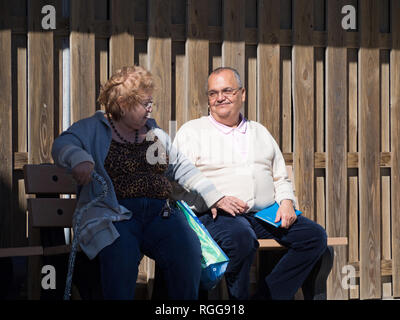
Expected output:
(169, 241)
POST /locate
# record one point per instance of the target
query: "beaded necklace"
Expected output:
(121, 137)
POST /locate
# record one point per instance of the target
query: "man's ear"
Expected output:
(243, 95)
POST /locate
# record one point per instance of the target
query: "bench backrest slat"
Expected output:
(51, 212)
(48, 179)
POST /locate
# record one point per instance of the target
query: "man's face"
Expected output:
(225, 98)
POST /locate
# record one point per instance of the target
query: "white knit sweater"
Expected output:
(260, 178)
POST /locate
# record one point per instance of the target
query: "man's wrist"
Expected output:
(287, 202)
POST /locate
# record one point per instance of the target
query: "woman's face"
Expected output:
(136, 115)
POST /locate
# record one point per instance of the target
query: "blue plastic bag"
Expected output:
(214, 261)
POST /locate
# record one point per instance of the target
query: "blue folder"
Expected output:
(269, 214)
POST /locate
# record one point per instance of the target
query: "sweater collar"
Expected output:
(242, 127)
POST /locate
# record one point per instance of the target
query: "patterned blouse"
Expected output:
(132, 175)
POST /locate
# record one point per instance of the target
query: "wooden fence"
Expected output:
(330, 97)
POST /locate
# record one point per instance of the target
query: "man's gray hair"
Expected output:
(220, 69)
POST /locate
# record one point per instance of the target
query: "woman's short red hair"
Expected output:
(128, 83)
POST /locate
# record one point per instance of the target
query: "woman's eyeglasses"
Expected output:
(147, 105)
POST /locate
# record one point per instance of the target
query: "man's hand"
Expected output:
(82, 172)
(229, 204)
(286, 214)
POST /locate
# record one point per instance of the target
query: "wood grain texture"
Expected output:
(336, 147)
(268, 66)
(82, 41)
(303, 100)
(268, 244)
(40, 112)
(352, 196)
(41, 88)
(385, 175)
(233, 45)
(369, 147)
(395, 142)
(48, 179)
(122, 50)
(320, 133)
(159, 55)
(51, 212)
(197, 51)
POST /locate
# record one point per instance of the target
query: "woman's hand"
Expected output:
(229, 204)
(82, 172)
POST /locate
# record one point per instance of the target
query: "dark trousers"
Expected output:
(169, 241)
(237, 236)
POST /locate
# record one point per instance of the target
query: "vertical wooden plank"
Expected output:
(20, 135)
(268, 66)
(58, 86)
(303, 100)
(179, 98)
(251, 83)
(101, 50)
(58, 75)
(122, 51)
(233, 46)
(286, 98)
(352, 63)
(369, 153)
(250, 76)
(40, 111)
(286, 79)
(197, 49)
(353, 180)
(395, 142)
(159, 55)
(385, 175)
(6, 168)
(336, 147)
(17, 228)
(41, 86)
(320, 133)
(82, 44)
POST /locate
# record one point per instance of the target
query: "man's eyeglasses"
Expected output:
(226, 92)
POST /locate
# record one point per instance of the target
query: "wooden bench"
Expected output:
(51, 204)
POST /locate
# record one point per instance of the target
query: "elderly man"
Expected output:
(243, 160)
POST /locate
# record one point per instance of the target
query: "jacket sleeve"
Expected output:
(183, 171)
(68, 149)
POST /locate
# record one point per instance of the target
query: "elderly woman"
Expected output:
(135, 218)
